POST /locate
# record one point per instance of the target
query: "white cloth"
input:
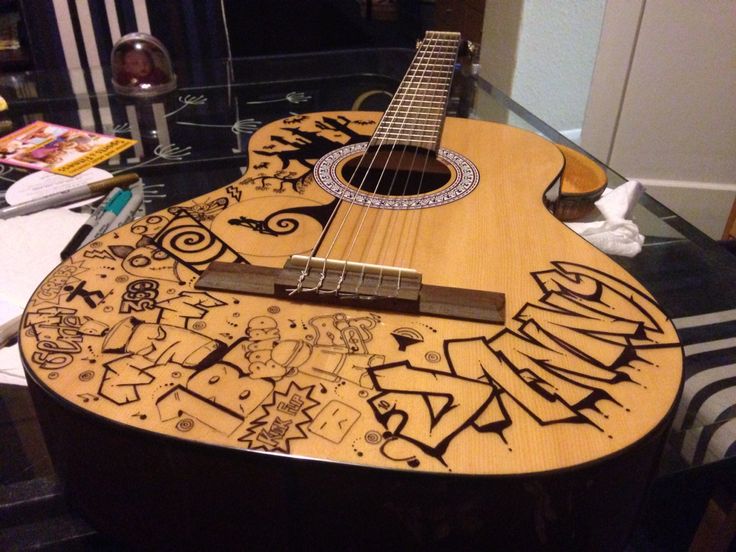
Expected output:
(617, 234)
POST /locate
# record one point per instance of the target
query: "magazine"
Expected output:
(59, 149)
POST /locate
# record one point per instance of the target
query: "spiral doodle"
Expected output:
(271, 225)
(185, 424)
(433, 356)
(87, 375)
(190, 239)
(193, 244)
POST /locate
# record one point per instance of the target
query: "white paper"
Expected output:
(41, 184)
(30, 247)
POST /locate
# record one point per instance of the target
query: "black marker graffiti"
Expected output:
(585, 332)
(280, 424)
(193, 244)
(139, 295)
(280, 224)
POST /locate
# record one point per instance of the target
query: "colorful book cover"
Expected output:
(59, 149)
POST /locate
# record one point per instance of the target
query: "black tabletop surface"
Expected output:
(195, 139)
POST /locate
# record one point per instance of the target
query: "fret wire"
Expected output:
(433, 45)
(424, 91)
(421, 116)
(412, 128)
(415, 132)
(428, 81)
(427, 103)
(429, 125)
(416, 135)
(436, 80)
(425, 133)
(417, 121)
(418, 113)
(423, 125)
(434, 103)
(404, 140)
(429, 86)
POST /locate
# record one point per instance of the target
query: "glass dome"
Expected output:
(141, 66)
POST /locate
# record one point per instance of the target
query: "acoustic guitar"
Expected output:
(378, 336)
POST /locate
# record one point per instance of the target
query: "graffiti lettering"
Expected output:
(58, 336)
(54, 285)
(276, 431)
(273, 431)
(584, 333)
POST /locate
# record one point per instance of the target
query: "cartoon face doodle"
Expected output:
(226, 385)
(334, 421)
(262, 328)
(150, 225)
(147, 260)
(283, 360)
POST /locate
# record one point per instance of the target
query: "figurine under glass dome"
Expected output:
(141, 66)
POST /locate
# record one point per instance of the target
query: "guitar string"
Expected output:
(386, 122)
(423, 86)
(416, 80)
(306, 269)
(420, 86)
(411, 219)
(400, 221)
(432, 92)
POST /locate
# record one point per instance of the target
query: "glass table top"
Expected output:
(195, 139)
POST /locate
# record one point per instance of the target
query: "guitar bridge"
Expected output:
(349, 281)
(361, 285)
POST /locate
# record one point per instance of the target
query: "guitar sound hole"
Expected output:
(401, 171)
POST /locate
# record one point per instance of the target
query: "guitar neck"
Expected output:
(416, 113)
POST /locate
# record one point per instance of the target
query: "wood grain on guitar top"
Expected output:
(585, 365)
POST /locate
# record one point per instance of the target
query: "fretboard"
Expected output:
(416, 113)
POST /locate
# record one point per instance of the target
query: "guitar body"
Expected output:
(182, 416)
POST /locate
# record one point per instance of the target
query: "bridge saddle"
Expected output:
(361, 285)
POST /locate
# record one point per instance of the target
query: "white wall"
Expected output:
(541, 53)
(658, 78)
(662, 104)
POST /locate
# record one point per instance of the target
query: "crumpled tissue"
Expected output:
(617, 234)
